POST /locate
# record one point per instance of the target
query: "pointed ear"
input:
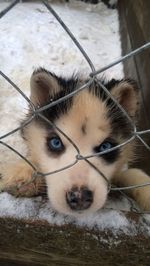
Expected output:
(44, 86)
(126, 92)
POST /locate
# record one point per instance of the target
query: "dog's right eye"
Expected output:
(110, 156)
(55, 144)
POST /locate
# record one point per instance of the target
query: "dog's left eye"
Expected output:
(111, 156)
(55, 144)
(105, 146)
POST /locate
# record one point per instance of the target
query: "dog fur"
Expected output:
(90, 118)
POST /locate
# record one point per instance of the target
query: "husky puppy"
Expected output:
(95, 124)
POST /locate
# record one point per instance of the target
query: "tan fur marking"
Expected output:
(18, 180)
(87, 114)
(43, 86)
(126, 96)
(136, 177)
(86, 107)
(84, 126)
(89, 107)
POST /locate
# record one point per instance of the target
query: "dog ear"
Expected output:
(126, 92)
(44, 86)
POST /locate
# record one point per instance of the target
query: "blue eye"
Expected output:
(55, 144)
(105, 146)
(110, 156)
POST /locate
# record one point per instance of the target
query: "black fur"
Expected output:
(66, 86)
(111, 156)
(119, 122)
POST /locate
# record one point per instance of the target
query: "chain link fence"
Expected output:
(37, 112)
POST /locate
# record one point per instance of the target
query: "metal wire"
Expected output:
(36, 112)
(3, 12)
(122, 59)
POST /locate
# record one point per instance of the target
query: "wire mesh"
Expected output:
(36, 112)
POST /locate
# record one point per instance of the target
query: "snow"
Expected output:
(31, 37)
(36, 209)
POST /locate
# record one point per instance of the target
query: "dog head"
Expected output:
(94, 124)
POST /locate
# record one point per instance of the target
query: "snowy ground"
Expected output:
(30, 37)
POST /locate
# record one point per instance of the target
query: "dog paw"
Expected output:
(20, 180)
(143, 198)
(1, 184)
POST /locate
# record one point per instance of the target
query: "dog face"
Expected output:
(94, 123)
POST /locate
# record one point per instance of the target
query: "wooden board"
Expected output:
(134, 28)
(37, 243)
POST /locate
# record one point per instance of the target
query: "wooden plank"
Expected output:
(37, 243)
(134, 29)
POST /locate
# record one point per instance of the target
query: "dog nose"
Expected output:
(79, 199)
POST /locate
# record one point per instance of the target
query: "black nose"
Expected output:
(79, 199)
